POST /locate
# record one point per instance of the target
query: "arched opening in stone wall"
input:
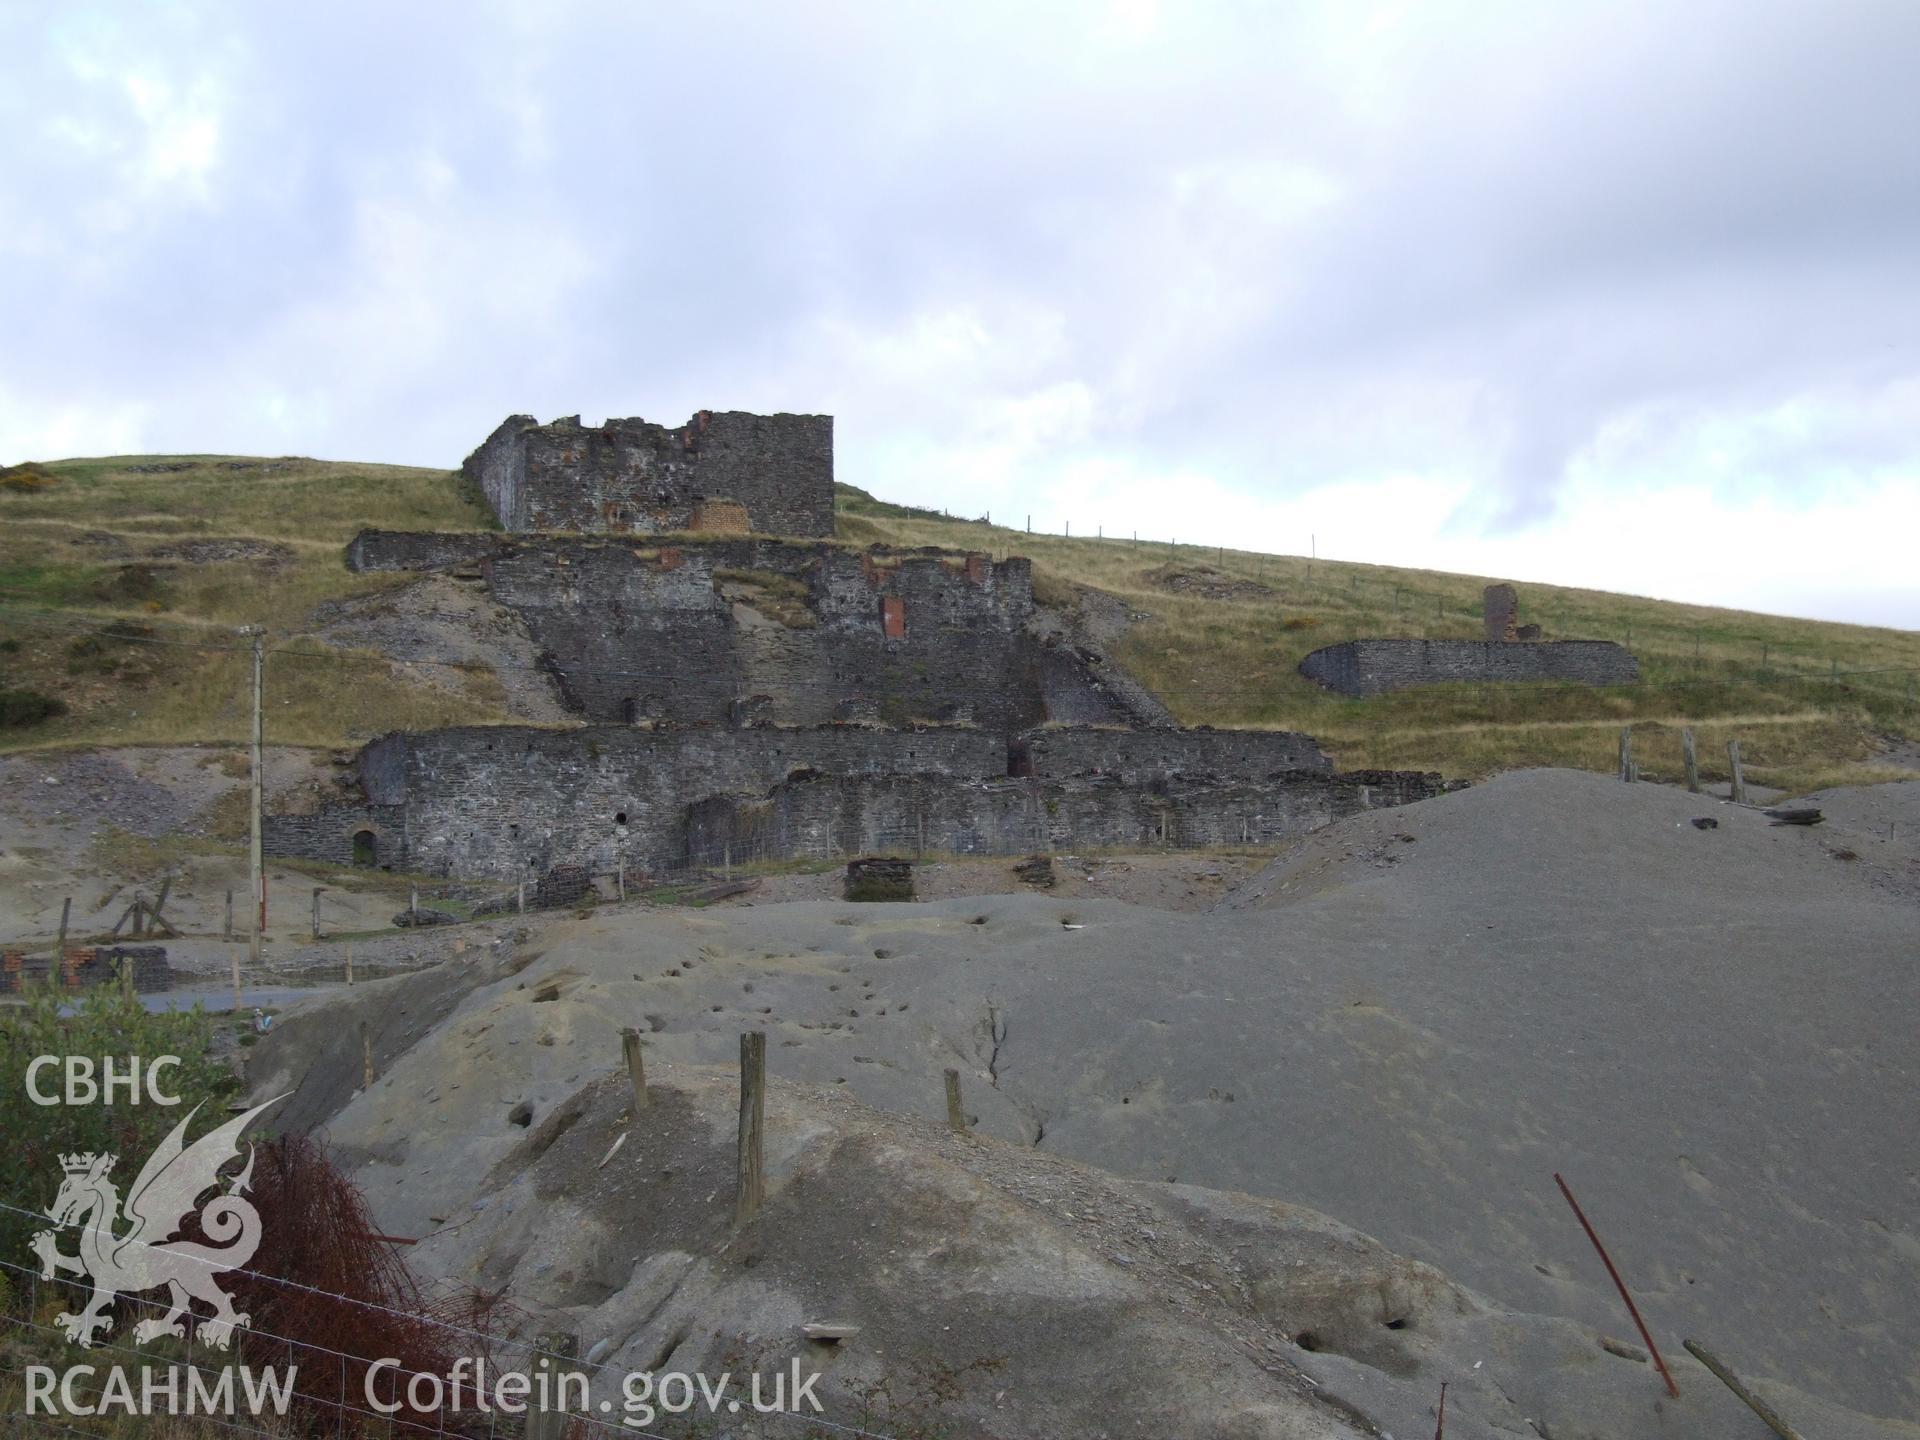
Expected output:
(366, 850)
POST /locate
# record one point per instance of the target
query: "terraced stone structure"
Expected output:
(754, 696)
(724, 470)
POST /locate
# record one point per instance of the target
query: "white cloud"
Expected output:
(1487, 286)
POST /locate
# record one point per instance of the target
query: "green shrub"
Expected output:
(20, 708)
(104, 1021)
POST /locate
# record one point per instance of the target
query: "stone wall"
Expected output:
(632, 477)
(509, 803)
(420, 550)
(1373, 667)
(1145, 757)
(327, 834)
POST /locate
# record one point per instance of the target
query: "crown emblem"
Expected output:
(81, 1164)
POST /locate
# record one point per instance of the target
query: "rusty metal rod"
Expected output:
(1620, 1285)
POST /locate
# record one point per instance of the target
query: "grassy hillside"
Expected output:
(121, 581)
(1812, 703)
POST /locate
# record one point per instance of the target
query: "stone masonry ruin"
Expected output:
(724, 471)
(1510, 653)
(511, 802)
(757, 691)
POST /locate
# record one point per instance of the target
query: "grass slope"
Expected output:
(101, 606)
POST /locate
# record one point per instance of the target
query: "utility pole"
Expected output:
(256, 893)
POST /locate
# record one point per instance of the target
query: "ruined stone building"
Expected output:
(1511, 653)
(722, 471)
(748, 688)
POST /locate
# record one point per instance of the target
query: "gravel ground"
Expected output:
(1708, 1031)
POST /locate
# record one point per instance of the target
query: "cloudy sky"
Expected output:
(1622, 295)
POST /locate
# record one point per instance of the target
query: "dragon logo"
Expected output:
(145, 1256)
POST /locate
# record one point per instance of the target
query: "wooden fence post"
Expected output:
(413, 899)
(557, 1356)
(1626, 752)
(520, 898)
(752, 1178)
(366, 1057)
(1738, 793)
(956, 1116)
(1691, 760)
(636, 1066)
(1724, 1374)
(66, 912)
(316, 912)
(229, 931)
(349, 962)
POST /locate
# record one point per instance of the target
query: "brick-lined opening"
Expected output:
(366, 848)
(893, 617)
(720, 517)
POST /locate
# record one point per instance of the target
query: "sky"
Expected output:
(1618, 295)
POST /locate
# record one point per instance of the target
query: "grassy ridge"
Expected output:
(99, 546)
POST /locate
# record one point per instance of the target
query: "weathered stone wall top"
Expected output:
(1144, 757)
(633, 477)
(1373, 667)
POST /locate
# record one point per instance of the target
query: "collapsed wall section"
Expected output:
(724, 469)
(1374, 667)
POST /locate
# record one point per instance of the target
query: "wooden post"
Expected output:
(636, 1066)
(229, 930)
(956, 1117)
(1739, 791)
(256, 792)
(66, 912)
(316, 912)
(366, 1057)
(620, 881)
(753, 1114)
(1691, 760)
(520, 898)
(413, 899)
(1753, 1402)
(556, 1355)
(349, 962)
(1626, 753)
